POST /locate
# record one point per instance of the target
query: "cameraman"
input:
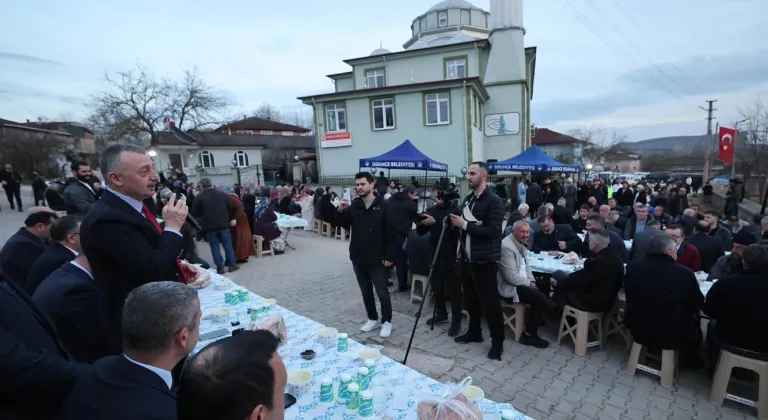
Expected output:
(444, 273)
(482, 214)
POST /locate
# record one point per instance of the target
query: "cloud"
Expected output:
(9, 56)
(645, 86)
(15, 89)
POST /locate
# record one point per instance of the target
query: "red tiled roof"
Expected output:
(546, 136)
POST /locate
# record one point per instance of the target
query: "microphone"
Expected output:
(165, 194)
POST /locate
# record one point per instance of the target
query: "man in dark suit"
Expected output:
(123, 241)
(642, 239)
(663, 302)
(611, 220)
(25, 246)
(36, 372)
(561, 215)
(11, 181)
(239, 377)
(595, 287)
(70, 298)
(594, 221)
(710, 248)
(555, 238)
(161, 326)
(64, 247)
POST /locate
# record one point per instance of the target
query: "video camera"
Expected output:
(446, 191)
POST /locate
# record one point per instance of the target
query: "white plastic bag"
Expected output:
(452, 406)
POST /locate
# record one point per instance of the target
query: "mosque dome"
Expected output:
(380, 51)
(453, 4)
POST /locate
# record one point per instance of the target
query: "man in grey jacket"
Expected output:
(516, 283)
(78, 192)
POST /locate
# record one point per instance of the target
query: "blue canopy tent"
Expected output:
(405, 156)
(532, 159)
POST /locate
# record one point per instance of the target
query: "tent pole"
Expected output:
(424, 207)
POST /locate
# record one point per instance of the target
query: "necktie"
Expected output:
(151, 217)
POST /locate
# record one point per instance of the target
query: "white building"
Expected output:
(460, 91)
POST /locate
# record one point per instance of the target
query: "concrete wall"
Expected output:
(443, 143)
(344, 84)
(222, 157)
(505, 98)
(425, 68)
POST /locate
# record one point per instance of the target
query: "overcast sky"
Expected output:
(646, 75)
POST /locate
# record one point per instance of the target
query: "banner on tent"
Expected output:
(516, 167)
(404, 165)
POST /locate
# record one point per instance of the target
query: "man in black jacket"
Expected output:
(161, 326)
(736, 303)
(716, 229)
(64, 247)
(79, 194)
(444, 277)
(663, 302)
(211, 206)
(480, 222)
(402, 212)
(27, 245)
(533, 197)
(370, 250)
(37, 371)
(595, 287)
(553, 237)
(709, 247)
(11, 181)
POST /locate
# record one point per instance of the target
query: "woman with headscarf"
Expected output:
(308, 209)
(316, 203)
(264, 222)
(249, 206)
(242, 239)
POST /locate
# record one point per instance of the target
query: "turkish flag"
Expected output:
(727, 142)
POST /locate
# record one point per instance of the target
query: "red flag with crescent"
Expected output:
(727, 142)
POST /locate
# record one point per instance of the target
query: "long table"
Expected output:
(403, 386)
(546, 264)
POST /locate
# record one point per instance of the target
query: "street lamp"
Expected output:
(589, 169)
(237, 168)
(152, 153)
(736, 127)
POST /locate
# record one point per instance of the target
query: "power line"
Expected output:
(648, 38)
(597, 32)
(594, 7)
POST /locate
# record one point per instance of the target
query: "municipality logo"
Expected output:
(539, 168)
(418, 164)
(367, 163)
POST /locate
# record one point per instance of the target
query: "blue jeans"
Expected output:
(221, 237)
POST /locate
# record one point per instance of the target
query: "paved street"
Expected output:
(316, 281)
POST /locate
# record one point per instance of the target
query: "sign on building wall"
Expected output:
(339, 139)
(507, 124)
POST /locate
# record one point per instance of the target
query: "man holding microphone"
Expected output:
(123, 241)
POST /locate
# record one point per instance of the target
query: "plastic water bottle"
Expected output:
(353, 404)
(326, 390)
(366, 405)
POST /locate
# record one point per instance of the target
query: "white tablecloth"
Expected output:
(284, 221)
(399, 382)
(547, 264)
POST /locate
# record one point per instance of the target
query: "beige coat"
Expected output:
(510, 275)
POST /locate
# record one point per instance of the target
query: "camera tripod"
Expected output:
(438, 252)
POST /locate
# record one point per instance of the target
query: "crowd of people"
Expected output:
(96, 320)
(95, 313)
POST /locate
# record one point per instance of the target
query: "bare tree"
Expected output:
(600, 145)
(751, 150)
(34, 150)
(268, 112)
(299, 117)
(136, 103)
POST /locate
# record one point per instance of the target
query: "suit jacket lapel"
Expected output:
(131, 212)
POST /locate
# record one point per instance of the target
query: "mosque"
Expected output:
(460, 90)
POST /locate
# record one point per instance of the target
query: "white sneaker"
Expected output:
(370, 326)
(386, 330)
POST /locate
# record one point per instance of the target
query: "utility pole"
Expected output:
(708, 149)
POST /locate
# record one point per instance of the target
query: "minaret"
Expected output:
(506, 61)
